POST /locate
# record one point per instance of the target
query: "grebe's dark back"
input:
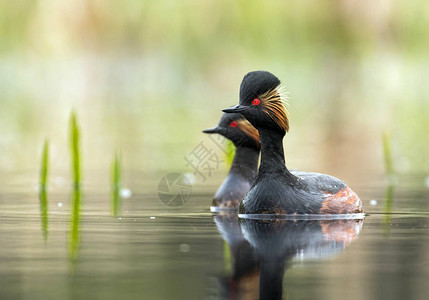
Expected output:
(276, 190)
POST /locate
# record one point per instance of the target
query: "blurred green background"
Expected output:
(146, 77)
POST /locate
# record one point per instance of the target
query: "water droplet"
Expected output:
(125, 193)
(189, 178)
(373, 202)
(184, 248)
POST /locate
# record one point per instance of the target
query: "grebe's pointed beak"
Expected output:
(212, 130)
(234, 109)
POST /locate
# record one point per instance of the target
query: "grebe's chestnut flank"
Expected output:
(276, 190)
(245, 164)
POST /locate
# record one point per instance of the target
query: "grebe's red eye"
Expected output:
(233, 124)
(256, 101)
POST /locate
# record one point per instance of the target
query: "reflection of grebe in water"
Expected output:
(278, 241)
(244, 280)
(261, 249)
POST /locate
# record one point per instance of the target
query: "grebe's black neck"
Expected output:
(272, 155)
(245, 162)
(271, 279)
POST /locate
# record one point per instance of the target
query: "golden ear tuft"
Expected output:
(248, 129)
(274, 105)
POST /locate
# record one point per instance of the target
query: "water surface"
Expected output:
(154, 252)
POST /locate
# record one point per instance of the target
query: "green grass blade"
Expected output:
(75, 224)
(116, 178)
(229, 153)
(387, 154)
(43, 197)
(74, 149)
(390, 172)
(387, 210)
(76, 195)
(227, 261)
(44, 164)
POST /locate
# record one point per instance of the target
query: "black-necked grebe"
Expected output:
(245, 163)
(276, 190)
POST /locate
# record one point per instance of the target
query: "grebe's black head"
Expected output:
(261, 102)
(236, 128)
